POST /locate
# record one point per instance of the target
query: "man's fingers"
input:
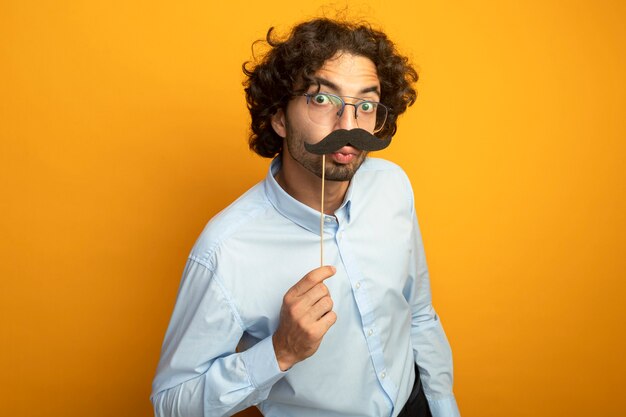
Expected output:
(315, 294)
(327, 320)
(312, 304)
(313, 278)
(318, 330)
(320, 308)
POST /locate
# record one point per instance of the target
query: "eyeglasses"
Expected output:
(325, 109)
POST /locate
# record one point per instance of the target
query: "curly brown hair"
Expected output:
(288, 69)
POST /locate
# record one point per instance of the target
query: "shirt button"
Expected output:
(357, 285)
(370, 332)
(383, 375)
(328, 219)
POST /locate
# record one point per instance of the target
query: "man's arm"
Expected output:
(200, 374)
(430, 346)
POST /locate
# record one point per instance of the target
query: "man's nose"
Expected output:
(347, 119)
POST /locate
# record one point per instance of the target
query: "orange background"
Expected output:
(123, 130)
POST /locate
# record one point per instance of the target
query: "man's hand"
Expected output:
(305, 317)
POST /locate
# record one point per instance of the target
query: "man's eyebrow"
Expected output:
(372, 89)
(327, 83)
(323, 81)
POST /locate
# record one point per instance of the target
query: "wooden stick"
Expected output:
(322, 212)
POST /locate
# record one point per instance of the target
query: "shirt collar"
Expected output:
(297, 212)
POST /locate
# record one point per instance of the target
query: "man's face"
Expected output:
(343, 75)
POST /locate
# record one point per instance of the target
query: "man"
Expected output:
(257, 320)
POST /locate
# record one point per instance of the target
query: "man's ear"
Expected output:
(279, 124)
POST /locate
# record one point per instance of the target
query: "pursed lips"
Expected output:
(345, 155)
(348, 150)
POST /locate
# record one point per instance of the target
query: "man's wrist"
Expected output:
(284, 359)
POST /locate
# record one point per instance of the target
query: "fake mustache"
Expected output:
(359, 138)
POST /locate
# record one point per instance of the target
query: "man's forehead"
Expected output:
(346, 71)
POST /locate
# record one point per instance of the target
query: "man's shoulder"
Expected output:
(244, 211)
(379, 164)
(383, 170)
(381, 179)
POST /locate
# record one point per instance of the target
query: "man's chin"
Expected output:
(343, 178)
(342, 172)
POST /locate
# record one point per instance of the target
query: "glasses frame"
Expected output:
(356, 106)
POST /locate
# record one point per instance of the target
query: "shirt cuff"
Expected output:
(443, 407)
(261, 364)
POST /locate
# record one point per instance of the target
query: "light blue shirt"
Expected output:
(217, 356)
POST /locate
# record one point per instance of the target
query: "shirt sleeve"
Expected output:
(430, 346)
(200, 373)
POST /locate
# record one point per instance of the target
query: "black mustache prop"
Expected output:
(358, 138)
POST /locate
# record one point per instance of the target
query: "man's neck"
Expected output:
(306, 187)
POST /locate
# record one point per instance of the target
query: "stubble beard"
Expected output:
(313, 163)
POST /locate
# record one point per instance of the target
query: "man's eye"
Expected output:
(367, 107)
(321, 99)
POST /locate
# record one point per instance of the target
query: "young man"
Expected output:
(257, 320)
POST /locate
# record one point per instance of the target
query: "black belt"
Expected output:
(416, 405)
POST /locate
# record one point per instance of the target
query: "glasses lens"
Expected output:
(371, 115)
(323, 108)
